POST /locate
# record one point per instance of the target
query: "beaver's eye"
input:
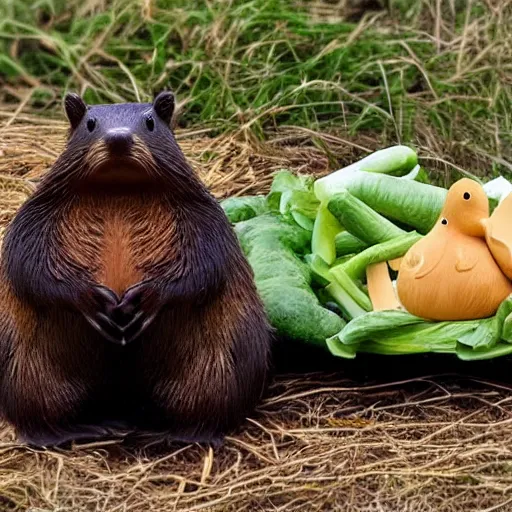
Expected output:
(467, 196)
(91, 124)
(150, 123)
(444, 222)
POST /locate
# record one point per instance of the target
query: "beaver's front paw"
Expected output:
(100, 305)
(137, 309)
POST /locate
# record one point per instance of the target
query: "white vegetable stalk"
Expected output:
(395, 160)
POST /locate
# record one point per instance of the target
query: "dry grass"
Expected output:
(338, 441)
(430, 72)
(318, 443)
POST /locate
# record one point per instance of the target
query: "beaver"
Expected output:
(126, 296)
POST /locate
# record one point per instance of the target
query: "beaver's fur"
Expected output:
(124, 292)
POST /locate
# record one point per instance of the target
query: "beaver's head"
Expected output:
(123, 143)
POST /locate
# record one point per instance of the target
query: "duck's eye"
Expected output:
(467, 196)
(150, 123)
(444, 222)
(91, 124)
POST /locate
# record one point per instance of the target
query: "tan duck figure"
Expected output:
(451, 273)
(498, 235)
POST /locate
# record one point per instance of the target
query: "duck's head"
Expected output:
(466, 208)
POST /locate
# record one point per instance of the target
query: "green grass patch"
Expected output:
(414, 74)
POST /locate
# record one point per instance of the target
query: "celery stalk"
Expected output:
(346, 282)
(325, 229)
(347, 304)
(403, 200)
(347, 243)
(355, 267)
(395, 160)
(360, 220)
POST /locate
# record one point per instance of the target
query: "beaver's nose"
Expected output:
(119, 140)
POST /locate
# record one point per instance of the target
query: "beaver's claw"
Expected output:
(136, 310)
(102, 302)
(122, 320)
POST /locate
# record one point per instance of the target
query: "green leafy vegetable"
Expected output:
(343, 259)
(506, 333)
(350, 308)
(324, 233)
(490, 330)
(348, 284)
(238, 209)
(338, 349)
(346, 243)
(295, 312)
(399, 333)
(376, 324)
(302, 206)
(356, 266)
(349, 297)
(309, 258)
(271, 229)
(407, 201)
(413, 344)
(270, 243)
(360, 220)
(282, 182)
(320, 269)
(467, 354)
(293, 196)
(484, 336)
(395, 160)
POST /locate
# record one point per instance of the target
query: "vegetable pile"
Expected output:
(310, 242)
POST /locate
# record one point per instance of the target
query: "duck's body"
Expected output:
(498, 235)
(451, 274)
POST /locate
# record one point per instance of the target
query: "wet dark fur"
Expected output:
(200, 366)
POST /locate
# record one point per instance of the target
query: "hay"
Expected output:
(319, 441)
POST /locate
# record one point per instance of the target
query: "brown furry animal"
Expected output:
(125, 294)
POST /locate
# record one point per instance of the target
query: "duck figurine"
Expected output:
(451, 273)
(498, 235)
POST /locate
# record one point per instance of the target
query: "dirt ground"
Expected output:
(375, 434)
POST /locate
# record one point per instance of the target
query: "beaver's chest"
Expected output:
(120, 240)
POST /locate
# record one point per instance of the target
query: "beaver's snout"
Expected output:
(119, 141)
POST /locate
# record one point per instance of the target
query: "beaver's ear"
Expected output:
(75, 109)
(164, 106)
